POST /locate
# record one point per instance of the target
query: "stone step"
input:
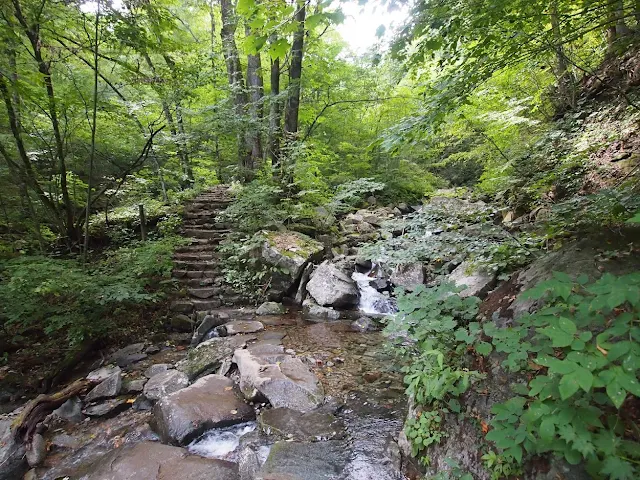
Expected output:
(201, 282)
(193, 248)
(195, 265)
(206, 234)
(194, 256)
(197, 274)
(207, 227)
(206, 304)
(181, 306)
(205, 292)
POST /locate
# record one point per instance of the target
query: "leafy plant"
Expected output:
(422, 333)
(584, 350)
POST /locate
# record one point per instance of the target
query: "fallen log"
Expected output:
(36, 410)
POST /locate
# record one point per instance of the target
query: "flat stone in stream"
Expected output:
(209, 356)
(154, 370)
(286, 383)
(128, 355)
(108, 408)
(240, 326)
(154, 461)
(213, 401)
(287, 424)
(165, 383)
(306, 461)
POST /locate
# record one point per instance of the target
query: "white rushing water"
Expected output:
(372, 302)
(221, 442)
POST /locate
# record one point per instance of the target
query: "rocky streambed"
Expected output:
(283, 398)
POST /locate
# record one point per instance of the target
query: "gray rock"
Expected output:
(165, 383)
(182, 323)
(332, 287)
(408, 276)
(108, 408)
(478, 282)
(315, 313)
(287, 383)
(154, 461)
(209, 322)
(109, 387)
(134, 386)
(157, 368)
(37, 452)
(213, 401)
(290, 252)
(101, 374)
(209, 356)
(71, 410)
(306, 461)
(152, 349)
(270, 308)
(240, 326)
(287, 424)
(128, 355)
(301, 293)
(12, 463)
(364, 324)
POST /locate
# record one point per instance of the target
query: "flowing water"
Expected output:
(373, 302)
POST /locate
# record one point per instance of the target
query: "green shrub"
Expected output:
(583, 352)
(65, 297)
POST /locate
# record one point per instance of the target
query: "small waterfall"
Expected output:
(372, 302)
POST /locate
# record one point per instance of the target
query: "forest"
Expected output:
(465, 190)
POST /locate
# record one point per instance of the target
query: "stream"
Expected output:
(364, 394)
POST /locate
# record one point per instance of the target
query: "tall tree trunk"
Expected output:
(564, 76)
(181, 138)
(236, 79)
(94, 124)
(621, 24)
(32, 33)
(295, 75)
(255, 85)
(275, 117)
(610, 33)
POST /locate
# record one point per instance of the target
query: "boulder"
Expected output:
(128, 355)
(332, 287)
(12, 464)
(109, 387)
(71, 410)
(306, 461)
(182, 323)
(107, 408)
(213, 401)
(315, 313)
(101, 374)
(287, 424)
(134, 386)
(363, 324)
(165, 383)
(408, 276)
(157, 368)
(37, 451)
(154, 461)
(210, 355)
(286, 383)
(290, 252)
(478, 281)
(208, 322)
(270, 308)
(301, 293)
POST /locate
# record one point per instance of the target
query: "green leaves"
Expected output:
(561, 334)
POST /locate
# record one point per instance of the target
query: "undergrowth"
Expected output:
(579, 356)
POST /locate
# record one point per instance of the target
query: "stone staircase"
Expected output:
(197, 266)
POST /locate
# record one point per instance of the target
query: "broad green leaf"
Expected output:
(616, 393)
(568, 386)
(547, 430)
